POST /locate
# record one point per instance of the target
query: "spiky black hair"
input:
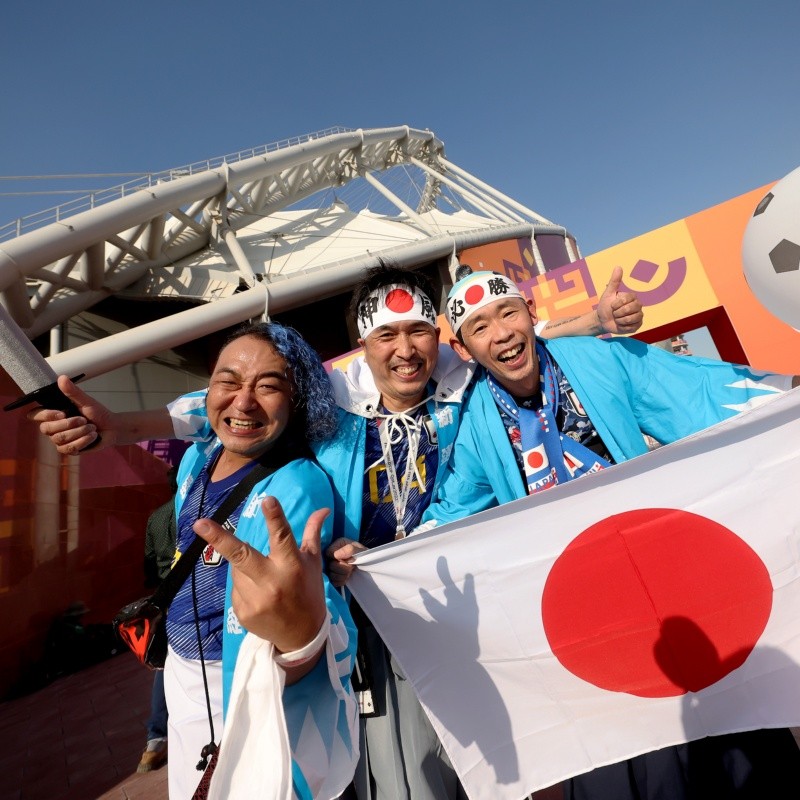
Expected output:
(386, 274)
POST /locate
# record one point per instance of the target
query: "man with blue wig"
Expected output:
(268, 640)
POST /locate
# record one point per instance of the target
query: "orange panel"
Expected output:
(717, 233)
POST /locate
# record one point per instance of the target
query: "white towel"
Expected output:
(255, 759)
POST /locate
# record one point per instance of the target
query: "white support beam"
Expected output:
(393, 198)
(239, 258)
(14, 298)
(153, 239)
(103, 355)
(492, 191)
(465, 193)
(93, 266)
(51, 279)
(46, 245)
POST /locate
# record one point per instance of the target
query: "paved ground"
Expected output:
(80, 738)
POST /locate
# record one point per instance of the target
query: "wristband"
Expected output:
(297, 657)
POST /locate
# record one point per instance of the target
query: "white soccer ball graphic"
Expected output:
(771, 250)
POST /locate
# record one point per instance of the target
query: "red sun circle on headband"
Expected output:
(400, 301)
(473, 295)
(655, 602)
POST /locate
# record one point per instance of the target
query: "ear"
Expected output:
(361, 343)
(461, 350)
(532, 311)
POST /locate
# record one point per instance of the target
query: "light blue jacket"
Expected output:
(626, 387)
(342, 457)
(317, 699)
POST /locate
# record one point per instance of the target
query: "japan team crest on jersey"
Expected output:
(539, 473)
(211, 557)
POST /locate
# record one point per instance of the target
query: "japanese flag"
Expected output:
(652, 603)
(535, 460)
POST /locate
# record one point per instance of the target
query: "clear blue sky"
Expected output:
(611, 118)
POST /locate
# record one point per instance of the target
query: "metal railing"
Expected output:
(90, 200)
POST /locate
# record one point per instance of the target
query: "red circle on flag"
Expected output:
(399, 301)
(655, 602)
(473, 295)
(535, 460)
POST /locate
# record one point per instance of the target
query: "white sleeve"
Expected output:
(189, 417)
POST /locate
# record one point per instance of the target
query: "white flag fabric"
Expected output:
(652, 603)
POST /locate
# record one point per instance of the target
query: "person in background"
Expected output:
(159, 552)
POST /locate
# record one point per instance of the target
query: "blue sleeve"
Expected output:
(323, 698)
(483, 471)
(629, 388)
(466, 488)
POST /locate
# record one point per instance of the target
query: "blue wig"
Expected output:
(316, 415)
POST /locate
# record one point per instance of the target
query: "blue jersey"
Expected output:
(205, 588)
(378, 518)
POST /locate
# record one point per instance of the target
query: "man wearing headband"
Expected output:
(542, 413)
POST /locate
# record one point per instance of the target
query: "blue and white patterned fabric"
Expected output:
(321, 710)
(344, 456)
(546, 454)
(199, 600)
(626, 387)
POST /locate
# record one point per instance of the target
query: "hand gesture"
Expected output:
(619, 313)
(70, 435)
(279, 597)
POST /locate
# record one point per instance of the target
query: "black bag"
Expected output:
(141, 625)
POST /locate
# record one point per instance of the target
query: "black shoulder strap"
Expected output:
(168, 588)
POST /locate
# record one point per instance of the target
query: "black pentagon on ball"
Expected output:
(762, 206)
(785, 256)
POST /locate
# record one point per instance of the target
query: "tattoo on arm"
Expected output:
(559, 322)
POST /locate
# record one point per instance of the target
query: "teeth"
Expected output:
(242, 424)
(406, 370)
(510, 354)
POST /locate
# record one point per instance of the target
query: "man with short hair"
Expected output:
(542, 413)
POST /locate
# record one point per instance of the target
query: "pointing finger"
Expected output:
(312, 534)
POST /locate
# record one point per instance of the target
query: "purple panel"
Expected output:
(553, 250)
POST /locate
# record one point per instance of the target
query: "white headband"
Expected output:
(394, 303)
(476, 291)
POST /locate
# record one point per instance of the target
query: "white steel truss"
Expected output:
(53, 272)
